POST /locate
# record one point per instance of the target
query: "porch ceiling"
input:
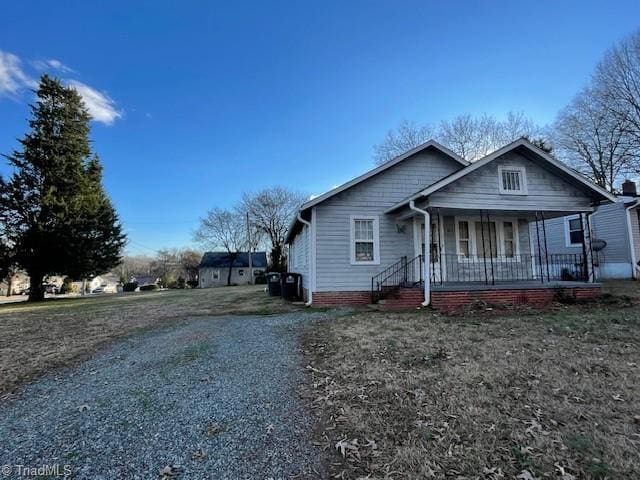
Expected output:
(406, 214)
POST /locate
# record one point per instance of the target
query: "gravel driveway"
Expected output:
(213, 398)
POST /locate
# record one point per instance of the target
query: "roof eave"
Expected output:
(381, 168)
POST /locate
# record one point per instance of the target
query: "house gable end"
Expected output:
(540, 188)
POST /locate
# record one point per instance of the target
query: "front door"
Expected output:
(437, 240)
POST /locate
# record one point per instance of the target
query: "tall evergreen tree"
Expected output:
(54, 211)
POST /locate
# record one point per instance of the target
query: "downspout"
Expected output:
(592, 257)
(310, 290)
(427, 252)
(631, 245)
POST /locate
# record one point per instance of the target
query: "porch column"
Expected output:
(427, 259)
(417, 247)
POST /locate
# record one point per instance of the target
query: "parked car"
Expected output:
(50, 288)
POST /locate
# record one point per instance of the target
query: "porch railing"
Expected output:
(404, 273)
(492, 269)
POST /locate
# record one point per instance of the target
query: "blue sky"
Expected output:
(197, 101)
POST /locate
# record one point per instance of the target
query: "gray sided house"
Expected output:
(365, 241)
(214, 268)
(615, 230)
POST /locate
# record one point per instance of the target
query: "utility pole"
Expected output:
(249, 241)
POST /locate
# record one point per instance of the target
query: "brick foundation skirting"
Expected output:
(410, 298)
(329, 299)
(449, 301)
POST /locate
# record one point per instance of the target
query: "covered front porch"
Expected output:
(472, 250)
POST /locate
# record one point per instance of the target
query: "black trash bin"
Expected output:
(291, 284)
(273, 279)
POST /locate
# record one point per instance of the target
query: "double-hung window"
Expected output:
(512, 180)
(509, 246)
(365, 248)
(464, 240)
(573, 231)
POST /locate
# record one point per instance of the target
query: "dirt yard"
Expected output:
(35, 338)
(491, 394)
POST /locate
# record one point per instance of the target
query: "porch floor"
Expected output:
(518, 285)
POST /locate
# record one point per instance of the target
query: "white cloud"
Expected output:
(51, 64)
(13, 78)
(101, 107)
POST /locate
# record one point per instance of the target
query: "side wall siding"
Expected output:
(608, 223)
(334, 271)
(299, 261)
(635, 231)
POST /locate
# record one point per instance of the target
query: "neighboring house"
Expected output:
(365, 240)
(615, 230)
(107, 283)
(145, 280)
(214, 268)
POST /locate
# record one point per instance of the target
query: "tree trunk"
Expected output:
(36, 289)
(232, 260)
(10, 285)
(276, 258)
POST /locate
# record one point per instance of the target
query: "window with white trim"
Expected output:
(509, 245)
(573, 231)
(364, 240)
(512, 180)
(464, 240)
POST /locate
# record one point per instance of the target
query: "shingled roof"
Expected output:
(221, 260)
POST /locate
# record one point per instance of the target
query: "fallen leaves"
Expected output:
(481, 414)
(169, 472)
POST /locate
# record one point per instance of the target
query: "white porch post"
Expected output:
(427, 260)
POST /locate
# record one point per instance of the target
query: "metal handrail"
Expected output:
(403, 272)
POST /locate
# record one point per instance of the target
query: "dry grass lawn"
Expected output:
(35, 338)
(517, 393)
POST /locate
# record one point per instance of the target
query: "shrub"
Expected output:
(192, 283)
(67, 286)
(130, 287)
(260, 280)
(148, 288)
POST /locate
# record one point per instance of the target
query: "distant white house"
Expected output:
(214, 268)
(106, 283)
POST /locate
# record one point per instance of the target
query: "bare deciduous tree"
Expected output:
(468, 136)
(593, 141)
(190, 261)
(617, 83)
(408, 135)
(271, 211)
(132, 265)
(223, 229)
